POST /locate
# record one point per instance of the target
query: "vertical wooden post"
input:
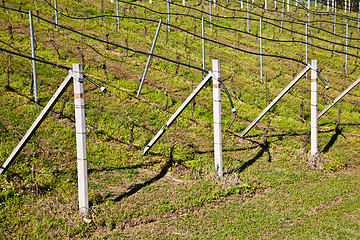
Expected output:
(327, 5)
(288, 5)
(56, 14)
(306, 44)
(349, 5)
(358, 19)
(261, 57)
(168, 9)
(210, 15)
(217, 118)
(33, 55)
(203, 44)
(345, 6)
(117, 15)
(346, 48)
(282, 15)
(335, 19)
(314, 97)
(81, 139)
(265, 5)
(247, 9)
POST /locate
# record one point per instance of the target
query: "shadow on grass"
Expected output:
(264, 148)
(107, 169)
(225, 150)
(333, 139)
(164, 170)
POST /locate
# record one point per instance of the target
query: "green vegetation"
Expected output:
(268, 190)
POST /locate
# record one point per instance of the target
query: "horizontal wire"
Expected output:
(35, 59)
(268, 39)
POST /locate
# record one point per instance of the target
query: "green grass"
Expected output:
(268, 190)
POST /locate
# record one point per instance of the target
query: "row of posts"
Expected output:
(203, 42)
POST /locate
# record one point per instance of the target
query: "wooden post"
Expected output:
(358, 26)
(306, 44)
(168, 9)
(203, 44)
(327, 5)
(314, 97)
(210, 15)
(346, 49)
(247, 8)
(56, 14)
(81, 139)
(261, 57)
(217, 118)
(335, 19)
(33, 55)
(288, 5)
(117, 14)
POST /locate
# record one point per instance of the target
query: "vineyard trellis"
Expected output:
(218, 162)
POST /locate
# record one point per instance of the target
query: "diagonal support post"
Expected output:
(36, 123)
(178, 112)
(281, 94)
(149, 58)
(339, 97)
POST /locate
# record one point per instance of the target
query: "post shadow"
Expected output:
(264, 147)
(333, 139)
(138, 187)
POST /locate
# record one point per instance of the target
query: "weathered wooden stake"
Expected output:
(81, 139)
(217, 118)
(33, 55)
(314, 97)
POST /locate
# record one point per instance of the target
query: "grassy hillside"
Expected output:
(268, 190)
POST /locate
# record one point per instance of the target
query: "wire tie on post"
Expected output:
(325, 85)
